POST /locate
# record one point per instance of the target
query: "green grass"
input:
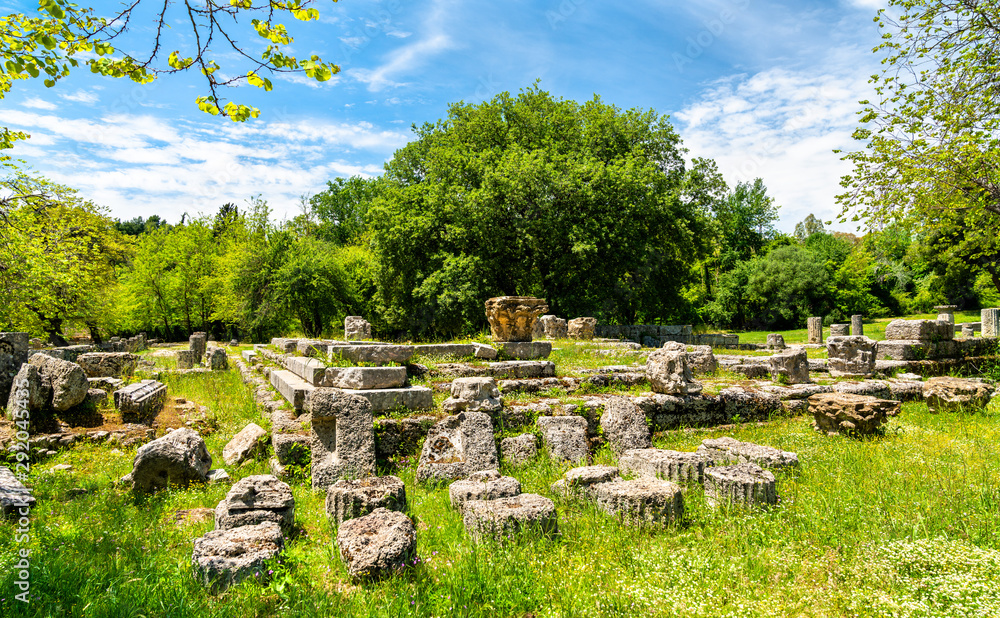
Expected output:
(903, 525)
(874, 328)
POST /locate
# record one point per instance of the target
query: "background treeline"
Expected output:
(592, 207)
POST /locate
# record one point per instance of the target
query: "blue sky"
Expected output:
(767, 89)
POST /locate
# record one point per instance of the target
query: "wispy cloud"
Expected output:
(782, 125)
(36, 103)
(82, 96)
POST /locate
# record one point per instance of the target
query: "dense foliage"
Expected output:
(591, 207)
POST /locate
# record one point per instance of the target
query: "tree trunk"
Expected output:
(95, 334)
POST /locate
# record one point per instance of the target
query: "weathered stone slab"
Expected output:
(668, 372)
(745, 484)
(522, 369)
(732, 450)
(377, 354)
(185, 359)
(519, 449)
(775, 341)
(458, 446)
(850, 414)
(13, 354)
(507, 517)
(350, 498)
(216, 359)
(387, 399)
(256, 500)
(294, 389)
(285, 346)
(291, 448)
(814, 328)
(178, 458)
(582, 328)
(791, 366)
(364, 378)
(910, 350)
(66, 379)
(309, 369)
(377, 544)
(643, 501)
(30, 392)
(485, 485)
(343, 437)
(525, 350)
(249, 355)
(458, 350)
(850, 356)
(473, 395)
(565, 437)
(356, 328)
(840, 330)
(143, 398)
(107, 364)
(624, 425)
(919, 330)
(223, 558)
(246, 444)
(676, 466)
(15, 499)
(990, 319)
(871, 388)
(701, 359)
(946, 394)
(312, 348)
(197, 343)
(551, 327)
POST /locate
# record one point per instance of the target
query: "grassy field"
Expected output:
(874, 328)
(904, 525)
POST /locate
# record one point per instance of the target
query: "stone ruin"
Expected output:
(512, 318)
(668, 372)
(814, 328)
(550, 327)
(850, 356)
(357, 328)
(343, 438)
(457, 447)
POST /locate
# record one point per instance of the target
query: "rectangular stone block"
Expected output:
(185, 359)
(14, 496)
(143, 398)
(815, 330)
(285, 346)
(248, 355)
(522, 369)
(386, 399)
(919, 330)
(291, 448)
(343, 437)
(293, 388)
(915, 350)
(309, 369)
(312, 348)
(364, 377)
(991, 322)
(458, 350)
(377, 354)
(526, 350)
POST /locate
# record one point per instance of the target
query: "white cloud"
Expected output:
(404, 59)
(36, 103)
(81, 96)
(143, 165)
(782, 125)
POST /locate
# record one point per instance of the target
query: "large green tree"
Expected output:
(931, 135)
(586, 205)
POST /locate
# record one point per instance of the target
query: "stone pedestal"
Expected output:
(840, 330)
(946, 313)
(197, 344)
(991, 322)
(343, 437)
(968, 332)
(815, 326)
(512, 318)
(857, 326)
(850, 356)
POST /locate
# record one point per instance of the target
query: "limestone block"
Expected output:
(565, 437)
(815, 330)
(255, 500)
(474, 395)
(919, 330)
(582, 328)
(512, 318)
(216, 359)
(248, 443)
(197, 343)
(522, 369)
(850, 356)
(946, 394)
(991, 322)
(291, 448)
(177, 458)
(294, 389)
(458, 446)
(552, 327)
(384, 400)
(107, 364)
(643, 501)
(377, 544)
(377, 354)
(625, 425)
(519, 449)
(728, 449)
(249, 355)
(946, 313)
(14, 496)
(285, 346)
(364, 378)
(850, 414)
(223, 558)
(968, 331)
(13, 354)
(485, 485)
(357, 328)
(525, 350)
(142, 399)
(313, 348)
(676, 466)
(743, 484)
(668, 372)
(871, 388)
(857, 326)
(343, 437)
(776, 341)
(309, 369)
(30, 392)
(790, 365)
(701, 359)
(185, 359)
(350, 498)
(507, 517)
(840, 330)
(66, 379)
